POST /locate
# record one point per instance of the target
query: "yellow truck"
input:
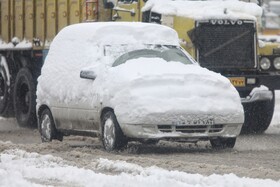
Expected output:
(222, 43)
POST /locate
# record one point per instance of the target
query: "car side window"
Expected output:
(136, 54)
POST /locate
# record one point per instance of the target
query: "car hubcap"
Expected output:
(46, 127)
(109, 133)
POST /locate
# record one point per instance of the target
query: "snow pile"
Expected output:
(155, 90)
(110, 33)
(24, 44)
(20, 168)
(4, 45)
(200, 10)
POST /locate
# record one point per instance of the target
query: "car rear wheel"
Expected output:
(223, 143)
(112, 136)
(25, 98)
(47, 127)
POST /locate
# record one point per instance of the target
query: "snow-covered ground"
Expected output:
(20, 168)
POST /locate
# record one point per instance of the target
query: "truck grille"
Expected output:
(191, 128)
(225, 44)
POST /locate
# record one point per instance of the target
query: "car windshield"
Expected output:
(168, 53)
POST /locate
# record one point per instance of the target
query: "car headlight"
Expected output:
(276, 63)
(265, 63)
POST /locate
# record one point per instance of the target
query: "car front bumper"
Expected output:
(188, 133)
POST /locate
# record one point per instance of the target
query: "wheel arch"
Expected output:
(104, 110)
(41, 109)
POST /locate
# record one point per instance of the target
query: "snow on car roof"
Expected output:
(200, 10)
(108, 33)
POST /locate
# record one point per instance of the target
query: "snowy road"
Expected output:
(80, 161)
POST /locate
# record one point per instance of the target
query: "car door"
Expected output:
(83, 110)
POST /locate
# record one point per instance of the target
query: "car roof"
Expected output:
(109, 33)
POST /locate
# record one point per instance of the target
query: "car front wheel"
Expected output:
(112, 136)
(223, 143)
(47, 127)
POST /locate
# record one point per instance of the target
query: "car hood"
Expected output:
(144, 90)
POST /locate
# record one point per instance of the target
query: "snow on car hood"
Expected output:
(142, 88)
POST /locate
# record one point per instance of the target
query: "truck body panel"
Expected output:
(29, 20)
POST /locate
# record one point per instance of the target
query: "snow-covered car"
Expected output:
(132, 81)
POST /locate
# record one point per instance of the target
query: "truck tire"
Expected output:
(6, 104)
(25, 98)
(258, 116)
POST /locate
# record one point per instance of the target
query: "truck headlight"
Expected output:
(276, 63)
(265, 63)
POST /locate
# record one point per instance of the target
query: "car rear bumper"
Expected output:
(181, 132)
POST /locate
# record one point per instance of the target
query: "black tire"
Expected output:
(6, 104)
(25, 99)
(47, 127)
(113, 138)
(258, 116)
(223, 143)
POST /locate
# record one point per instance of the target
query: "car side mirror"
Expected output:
(87, 74)
(107, 4)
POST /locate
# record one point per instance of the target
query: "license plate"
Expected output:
(237, 81)
(209, 121)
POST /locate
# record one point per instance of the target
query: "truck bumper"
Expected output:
(258, 95)
(251, 92)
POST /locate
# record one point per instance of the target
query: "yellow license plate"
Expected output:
(237, 81)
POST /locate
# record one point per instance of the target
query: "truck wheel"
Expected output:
(223, 143)
(112, 136)
(258, 116)
(25, 98)
(47, 127)
(6, 105)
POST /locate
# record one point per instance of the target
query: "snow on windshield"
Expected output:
(123, 53)
(201, 10)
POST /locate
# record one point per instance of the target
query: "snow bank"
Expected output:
(20, 168)
(200, 10)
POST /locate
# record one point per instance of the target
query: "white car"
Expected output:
(132, 81)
